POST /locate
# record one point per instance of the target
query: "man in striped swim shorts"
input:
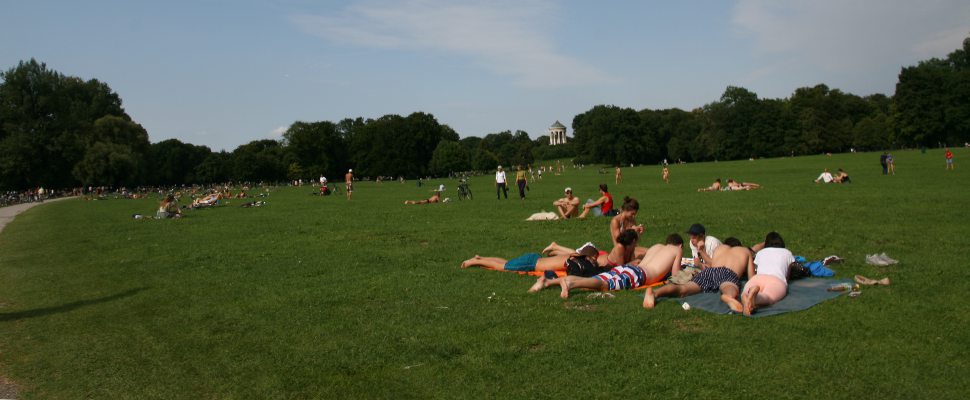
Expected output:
(656, 264)
(733, 260)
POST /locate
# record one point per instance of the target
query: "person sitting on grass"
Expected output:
(769, 282)
(842, 177)
(715, 187)
(567, 206)
(732, 261)
(656, 264)
(603, 206)
(168, 208)
(825, 177)
(435, 198)
(626, 219)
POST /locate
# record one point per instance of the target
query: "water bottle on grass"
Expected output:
(841, 287)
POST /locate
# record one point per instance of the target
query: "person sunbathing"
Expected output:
(207, 201)
(567, 206)
(769, 282)
(658, 262)
(735, 185)
(435, 198)
(624, 249)
(842, 177)
(732, 260)
(716, 186)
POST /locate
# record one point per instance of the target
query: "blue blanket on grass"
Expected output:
(802, 294)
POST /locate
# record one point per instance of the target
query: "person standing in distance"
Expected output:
(500, 184)
(949, 159)
(521, 182)
(349, 182)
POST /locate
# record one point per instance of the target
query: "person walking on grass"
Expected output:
(731, 260)
(521, 182)
(619, 175)
(949, 159)
(890, 164)
(349, 183)
(500, 185)
(884, 161)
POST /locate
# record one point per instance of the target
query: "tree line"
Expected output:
(61, 131)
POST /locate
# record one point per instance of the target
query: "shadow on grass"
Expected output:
(40, 312)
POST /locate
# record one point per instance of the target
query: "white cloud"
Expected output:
(505, 37)
(277, 133)
(849, 38)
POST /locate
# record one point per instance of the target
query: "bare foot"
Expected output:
(469, 262)
(731, 302)
(564, 284)
(883, 281)
(649, 300)
(747, 300)
(539, 285)
(548, 249)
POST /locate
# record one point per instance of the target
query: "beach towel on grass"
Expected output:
(802, 294)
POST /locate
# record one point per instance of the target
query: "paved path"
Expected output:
(7, 213)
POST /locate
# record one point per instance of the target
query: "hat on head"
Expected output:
(696, 229)
(589, 249)
(350, 170)
(568, 189)
(499, 167)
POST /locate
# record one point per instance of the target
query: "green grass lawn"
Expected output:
(313, 297)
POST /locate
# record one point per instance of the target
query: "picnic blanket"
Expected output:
(802, 294)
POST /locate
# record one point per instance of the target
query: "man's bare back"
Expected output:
(661, 259)
(735, 258)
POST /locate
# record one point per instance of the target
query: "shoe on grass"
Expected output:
(875, 260)
(889, 261)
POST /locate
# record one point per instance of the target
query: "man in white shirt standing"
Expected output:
(702, 247)
(500, 185)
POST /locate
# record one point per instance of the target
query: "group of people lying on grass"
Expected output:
(731, 185)
(840, 177)
(568, 206)
(717, 267)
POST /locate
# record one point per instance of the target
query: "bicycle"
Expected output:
(464, 192)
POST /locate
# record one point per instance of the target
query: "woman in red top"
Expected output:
(605, 204)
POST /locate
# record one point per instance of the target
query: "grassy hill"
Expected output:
(312, 297)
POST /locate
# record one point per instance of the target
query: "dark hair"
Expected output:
(675, 238)
(627, 237)
(717, 180)
(773, 239)
(603, 188)
(630, 204)
(733, 242)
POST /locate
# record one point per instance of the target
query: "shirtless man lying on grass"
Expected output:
(732, 259)
(659, 261)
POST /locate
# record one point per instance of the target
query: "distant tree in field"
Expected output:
(173, 162)
(450, 156)
(932, 101)
(45, 118)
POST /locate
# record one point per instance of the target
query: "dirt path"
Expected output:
(8, 213)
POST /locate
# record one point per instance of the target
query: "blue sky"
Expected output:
(223, 73)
